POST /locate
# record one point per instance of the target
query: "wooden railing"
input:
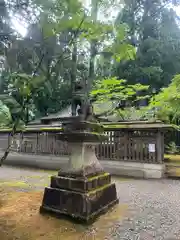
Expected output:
(145, 146)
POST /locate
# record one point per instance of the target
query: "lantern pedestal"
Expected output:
(82, 190)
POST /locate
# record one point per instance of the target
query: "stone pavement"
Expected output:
(153, 205)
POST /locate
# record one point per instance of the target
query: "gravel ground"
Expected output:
(154, 210)
(154, 205)
(25, 179)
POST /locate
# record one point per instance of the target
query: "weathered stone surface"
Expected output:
(82, 185)
(81, 206)
(84, 172)
(75, 124)
(82, 162)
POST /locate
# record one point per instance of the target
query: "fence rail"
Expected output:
(122, 145)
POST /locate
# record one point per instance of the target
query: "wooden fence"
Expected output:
(130, 145)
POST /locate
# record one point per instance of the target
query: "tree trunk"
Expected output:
(145, 16)
(73, 77)
(7, 151)
(94, 14)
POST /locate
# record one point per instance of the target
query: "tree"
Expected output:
(5, 115)
(25, 86)
(155, 34)
(166, 102)
(5, 31)
(66, 43)
(117, 93)
(84, 28)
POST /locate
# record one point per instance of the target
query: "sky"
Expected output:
(21, 27)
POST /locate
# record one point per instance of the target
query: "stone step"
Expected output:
(83, 207)
(81, 185)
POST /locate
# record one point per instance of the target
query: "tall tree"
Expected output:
(155, 33)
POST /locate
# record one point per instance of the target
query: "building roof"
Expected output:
(66, 112)
(99, 108)
(35, 122)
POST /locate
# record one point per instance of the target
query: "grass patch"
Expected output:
(172, 157)
(41, 177)
(20, 219)
(38, 182)
(19, 184)
(173, 171)
(28, 184)
(33, 169)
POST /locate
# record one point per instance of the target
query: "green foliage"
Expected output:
(108, 93)
(115, 90)
(171, 148)
(24, 86)
(13, 106)
(152, 57)
(167, 101)
(156, 39)
(134, 114)
(120, 48)
(5, 115)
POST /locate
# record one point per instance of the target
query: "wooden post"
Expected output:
(126, 145)
(160, 146)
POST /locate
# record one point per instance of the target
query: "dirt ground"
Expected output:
(148, 209)
(20, 199)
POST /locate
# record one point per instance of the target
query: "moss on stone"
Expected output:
(51, 129)
(48, 129)
(98, 176)
(98, 189)
(115, 126)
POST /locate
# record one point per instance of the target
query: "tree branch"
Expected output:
(14, 128)
(76, 32)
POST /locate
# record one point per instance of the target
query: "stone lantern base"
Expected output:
(83, 200)
(82, 190)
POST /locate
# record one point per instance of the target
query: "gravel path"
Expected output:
(17, 173)
(154, 210)
(24, 179)
(154, 205)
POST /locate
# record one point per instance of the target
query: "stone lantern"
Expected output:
(82, 189)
